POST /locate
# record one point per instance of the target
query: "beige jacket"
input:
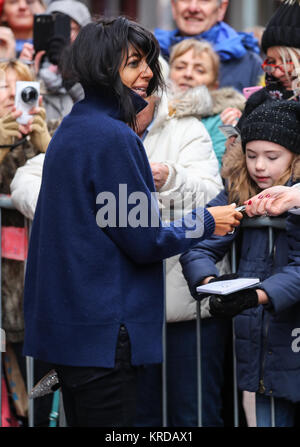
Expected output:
(180, 140)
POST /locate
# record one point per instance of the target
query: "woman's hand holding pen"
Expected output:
(227, 218)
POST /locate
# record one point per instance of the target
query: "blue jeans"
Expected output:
(182, 405)
(284, 412)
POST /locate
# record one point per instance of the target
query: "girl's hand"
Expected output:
(226, 218)
(273, 201)
(230, 116)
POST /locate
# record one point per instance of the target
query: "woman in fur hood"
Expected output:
(194, 73)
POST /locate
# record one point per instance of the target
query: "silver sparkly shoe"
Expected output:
(48, 384)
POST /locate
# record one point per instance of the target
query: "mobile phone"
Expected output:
(248, 91)
(46, 26)
(229, 131)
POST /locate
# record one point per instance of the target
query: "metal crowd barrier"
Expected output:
(257, 222)
(260, 222)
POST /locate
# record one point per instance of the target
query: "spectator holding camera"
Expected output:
(61, 92)
(18, 16)
(18, 143)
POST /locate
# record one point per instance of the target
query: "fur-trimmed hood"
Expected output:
(198, 101)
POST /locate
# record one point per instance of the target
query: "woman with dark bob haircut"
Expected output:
(93, 298)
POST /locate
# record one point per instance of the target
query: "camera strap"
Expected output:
(13, 146)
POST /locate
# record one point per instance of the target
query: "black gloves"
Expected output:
(227, 306)
(56, 46)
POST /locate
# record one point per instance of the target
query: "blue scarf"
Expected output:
(228, 43)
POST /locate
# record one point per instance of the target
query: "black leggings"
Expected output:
(101, 397)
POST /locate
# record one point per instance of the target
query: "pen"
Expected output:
(241, 208)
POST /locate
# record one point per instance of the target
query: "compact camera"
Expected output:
(27, 96)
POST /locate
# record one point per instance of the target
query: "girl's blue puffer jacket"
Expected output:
(266, 336)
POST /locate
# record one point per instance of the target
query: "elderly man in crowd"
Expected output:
(203, 19)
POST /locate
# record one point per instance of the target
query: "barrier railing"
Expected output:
(270, 223)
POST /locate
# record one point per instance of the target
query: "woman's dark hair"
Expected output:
(98, 52)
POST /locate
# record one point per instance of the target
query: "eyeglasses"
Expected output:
(270, 68)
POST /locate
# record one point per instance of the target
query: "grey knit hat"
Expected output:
(76, 10)
(277, 121)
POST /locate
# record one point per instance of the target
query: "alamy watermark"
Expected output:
(153, 210)
(2, 340)
(296, 342)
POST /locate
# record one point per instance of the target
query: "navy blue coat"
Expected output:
(265, 358)
(82, 280)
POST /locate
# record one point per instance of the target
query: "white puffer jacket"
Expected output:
(25, 186)
(178, 139)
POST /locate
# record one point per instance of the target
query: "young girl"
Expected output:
(267, 315)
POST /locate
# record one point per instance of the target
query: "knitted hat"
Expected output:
(277, 121)
(76, 10)
(284, 26)
(1, 6)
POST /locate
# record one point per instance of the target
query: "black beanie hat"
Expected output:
(277, 121)
(284, 27)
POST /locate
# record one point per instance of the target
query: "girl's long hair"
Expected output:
(240, 185)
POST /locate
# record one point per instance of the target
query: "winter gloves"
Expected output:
(39, 134)
(56, 46)
(9, 130)
(227, 306)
